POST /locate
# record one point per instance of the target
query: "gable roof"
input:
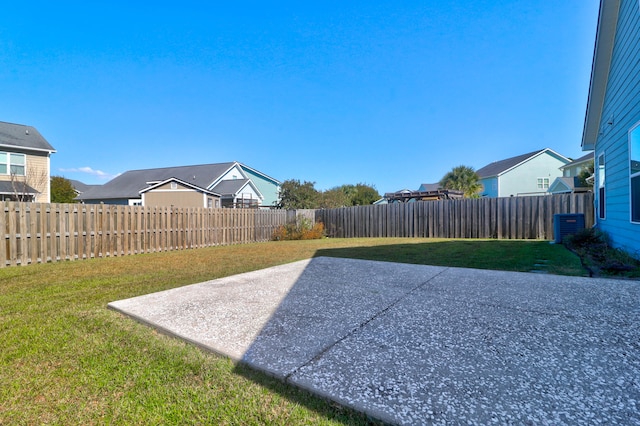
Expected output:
(570, 184)
(584, 159)
(499, 167)
(259, 173)
(603, 51)
(81, 186)
(21, 136)
(233, 186)
(129, 184)
(181, 182)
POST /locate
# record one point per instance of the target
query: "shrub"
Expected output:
(303, 229)
(587, 238)
(595, 250)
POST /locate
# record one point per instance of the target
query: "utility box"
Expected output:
(567, 224)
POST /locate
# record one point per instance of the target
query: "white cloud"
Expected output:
(88, 170)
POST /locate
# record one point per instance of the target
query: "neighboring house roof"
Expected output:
(181, 182)
(584, 159)
(21, 136)
(568, 184)
(6, 188)
(233, 186)
(603, 52)
(500, 167)
(129, 184)
(81, 187)
(267, 177)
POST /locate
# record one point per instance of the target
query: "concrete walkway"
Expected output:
(415, 344)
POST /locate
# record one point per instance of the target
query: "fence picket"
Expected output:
(38, 233)
(499, 218)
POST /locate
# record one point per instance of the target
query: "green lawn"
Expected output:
(67, 359)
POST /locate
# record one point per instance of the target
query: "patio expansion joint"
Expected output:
(362, 325)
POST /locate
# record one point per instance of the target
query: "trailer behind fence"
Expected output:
(500, 218)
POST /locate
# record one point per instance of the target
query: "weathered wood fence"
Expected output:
(38, 233)
(500, 218)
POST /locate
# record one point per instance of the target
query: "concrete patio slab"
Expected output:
(415, 344)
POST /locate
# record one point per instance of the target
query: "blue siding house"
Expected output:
(526, 174)
(268, 186)
(612, 122)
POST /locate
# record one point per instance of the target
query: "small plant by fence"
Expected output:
(38, 233)
(500, 218)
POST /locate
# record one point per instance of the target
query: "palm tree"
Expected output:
(462, 178)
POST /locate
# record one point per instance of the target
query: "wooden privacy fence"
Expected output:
(501, 218)
(38, 233)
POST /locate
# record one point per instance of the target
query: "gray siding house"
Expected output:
(612, 122)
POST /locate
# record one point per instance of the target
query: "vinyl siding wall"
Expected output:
(490, 187)
(247, 192)
(233, 173)
(574, 170)
(181, 196)
(267, 188)
(37, 174)
(523, 179)
(622, 104)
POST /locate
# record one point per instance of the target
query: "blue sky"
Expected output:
(387, 93)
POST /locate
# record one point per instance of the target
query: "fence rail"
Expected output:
(38, 233)
(500, 218)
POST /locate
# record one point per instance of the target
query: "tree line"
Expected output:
(303, 195)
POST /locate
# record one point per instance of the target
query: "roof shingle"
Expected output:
(21, 136)
(129, 184)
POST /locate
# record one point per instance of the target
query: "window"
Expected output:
(174, 185)
(13, 163)
(600, 181)
(634, 173)
(543, 183)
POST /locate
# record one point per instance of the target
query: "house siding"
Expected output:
(490, 187)
(269, 190)
(247, 192)
(523, 179)
(574, 170)
(182, 198)
(234, 171)
(37, 173)
(622, 105)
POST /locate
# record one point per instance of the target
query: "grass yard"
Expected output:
(67, 359)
